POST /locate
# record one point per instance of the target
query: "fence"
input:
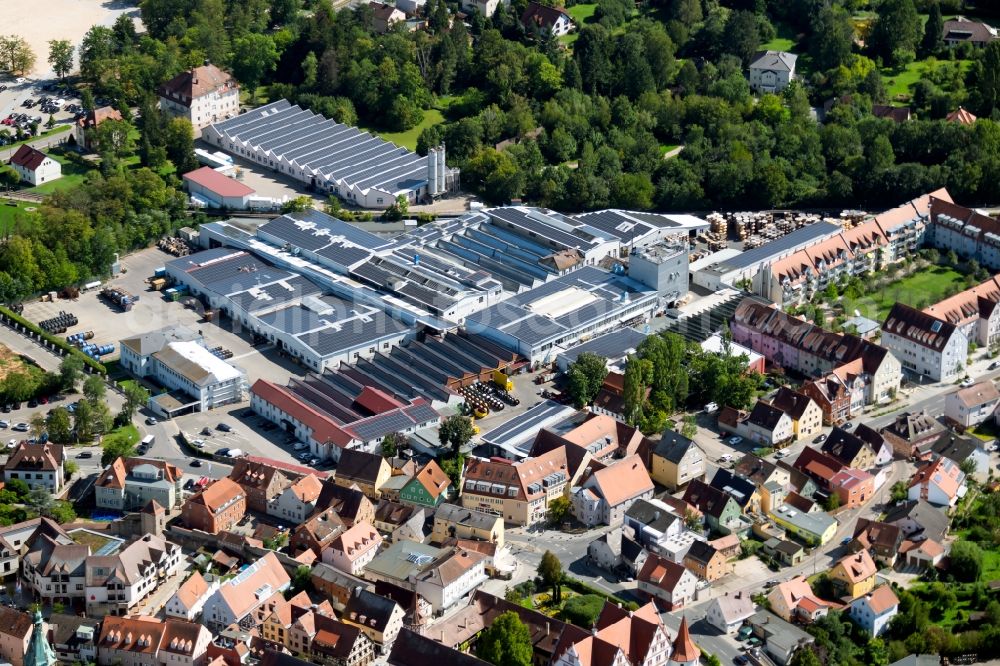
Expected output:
(48, 341)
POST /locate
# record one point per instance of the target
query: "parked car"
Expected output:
(223, 451)
(84, 455)
(32, 403)
(224, 427)
(735, 439)
(4, 424)
(151, 421)
(994, 365)
(711, 408)
(967, 382)
(780, 453)
(847, 426)
(196, 462)
(820, 438)
(21, 427)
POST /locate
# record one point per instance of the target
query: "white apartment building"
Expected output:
(202, 96)
(926, 346)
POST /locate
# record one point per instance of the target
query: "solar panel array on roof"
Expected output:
(334, 151)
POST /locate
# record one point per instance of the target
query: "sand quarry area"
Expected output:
(38, 21)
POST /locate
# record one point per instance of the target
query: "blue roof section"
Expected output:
(313, 229)
(517, 434)
(610, 345)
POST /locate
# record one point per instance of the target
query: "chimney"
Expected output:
(547, 628)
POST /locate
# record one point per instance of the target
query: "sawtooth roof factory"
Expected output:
(359, 167)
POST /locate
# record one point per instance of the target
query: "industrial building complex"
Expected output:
(338, 159)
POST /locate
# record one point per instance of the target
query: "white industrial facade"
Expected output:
(359, 167)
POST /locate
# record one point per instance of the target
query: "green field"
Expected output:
(926, 287)
(128, 433)
(784, 40)
(8, 212)
(899, 82)
(408, 139)
(582, 13)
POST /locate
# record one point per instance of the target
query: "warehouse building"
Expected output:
(316, 328)
(636, 229)
(359, 167)
(542, 322)
(177, 359)
(209, 188)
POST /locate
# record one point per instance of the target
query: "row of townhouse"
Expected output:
(870, 246)
(867, 373)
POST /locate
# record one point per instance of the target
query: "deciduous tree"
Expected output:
(506, 642)
(61, 56)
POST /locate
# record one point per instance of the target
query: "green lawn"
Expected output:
(127, 432)
(919, 290)
(899, 82)
(582, 13)
(408, 139)
(784, 40)
(8, 212)
(72, 175)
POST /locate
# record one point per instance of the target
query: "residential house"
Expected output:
(15, 634)
(926, 346)
(722, 512)
(675, 460)
(317, 533)
(772, 71)
(451, 521)
(968, 407)
(623, 637)
(84, 129)
(337, 643)
(38, 465)
(543, 18)
(706, 562)
(854, 487)
(941, 483)
(728, 612)
(610, 398)
(428, 488)
(148, 641)
(818, 466)
(769, 426)
(813, 528)
(760, 472)
(600, 435)
(911, 431)
(728, 545)
(922, 555)
(743, 491)
(958, 449)
(384, 17)
(130, 484)
(54, 569)
(652, 521)
(202, 96)
(880, 539)
(484, 7)
(603, 496)
(14, 539)
(116, 583)
(442, 576)
(520, 492)
(353, 549)
(187, 602)
(877, 442)
(413, 649)
(786, 552)
(74, 638)
(239, 599)
(873, 611)
(794, 601)
(615, 550)
(378, 617)
(350, 504)
(832, 396)
(335, 585)
(298, 501)
(34, 167)
(781, 639)
(261, 482)
(854, 575)
(806, 415)
(216, 508)
(919, 520)
(848, 449)
(961, 29)
(400, 521)
(367, 471)
(668, 583)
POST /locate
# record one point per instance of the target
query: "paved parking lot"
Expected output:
(265, 182)
(153, 312)
(248, 432)
(12, 101)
